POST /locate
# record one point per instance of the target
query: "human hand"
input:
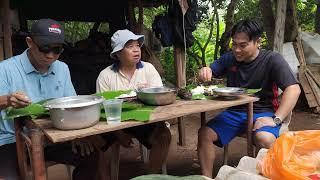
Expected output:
(18, 100)
(124, 139)
(263, 121)
(86, 146)
(205, 74)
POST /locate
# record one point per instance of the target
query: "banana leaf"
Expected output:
(130, 110)
(34, 110)
(112, 94)
(253, 91)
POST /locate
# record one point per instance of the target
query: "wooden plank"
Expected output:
(311, 99)
(317, 81)
(162, 113)
(299, 51)
(280, 26)
(314, 87)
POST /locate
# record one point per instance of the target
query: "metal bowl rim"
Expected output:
(57, 103)
(168, 90)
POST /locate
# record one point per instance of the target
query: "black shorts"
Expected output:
(141, 133)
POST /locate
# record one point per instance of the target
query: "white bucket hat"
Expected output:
(121, 37)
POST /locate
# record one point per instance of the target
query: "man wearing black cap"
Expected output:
(32, 76)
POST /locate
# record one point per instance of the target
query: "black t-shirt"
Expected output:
(268, 71)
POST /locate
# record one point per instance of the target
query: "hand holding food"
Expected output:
(18, 100)
(205, 74)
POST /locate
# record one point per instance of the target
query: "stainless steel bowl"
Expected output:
(157, 96)
(229, 91)
(75, 112)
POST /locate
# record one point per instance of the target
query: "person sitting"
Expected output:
(129, 72)
(248, 66)
(36, 75)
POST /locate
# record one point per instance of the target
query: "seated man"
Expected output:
(129, 72)
(250, 67)
(32, 76)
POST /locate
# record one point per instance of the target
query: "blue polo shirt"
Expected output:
(18, 74)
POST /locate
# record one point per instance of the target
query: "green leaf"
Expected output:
(133, 111)
(112, 94)
(198, 97)
(34, 110)
(253, 91)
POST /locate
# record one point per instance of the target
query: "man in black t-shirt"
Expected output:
(249, 67)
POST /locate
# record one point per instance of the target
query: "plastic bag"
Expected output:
(294, 155)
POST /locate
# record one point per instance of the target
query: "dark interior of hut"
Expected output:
(86, 57)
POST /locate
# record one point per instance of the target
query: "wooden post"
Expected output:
(180, 69)
(21, 150)
(114, 161)
(39, 168)
(203, 117)
(1, 30)
(280, 26)
(249, 131)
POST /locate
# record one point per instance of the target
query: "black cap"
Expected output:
(46, 32)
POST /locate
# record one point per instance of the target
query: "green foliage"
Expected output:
(248, 9)
(75, 31)
(306, 13)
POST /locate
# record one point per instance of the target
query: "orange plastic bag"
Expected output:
(294, 155)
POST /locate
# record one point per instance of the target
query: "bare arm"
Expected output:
(289, 99)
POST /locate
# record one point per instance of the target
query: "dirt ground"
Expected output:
(183, 161)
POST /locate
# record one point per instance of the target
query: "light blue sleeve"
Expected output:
(69, 89)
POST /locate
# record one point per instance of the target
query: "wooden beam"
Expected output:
(7, 29)
(180, 67)
(280, 26)
(1, 31)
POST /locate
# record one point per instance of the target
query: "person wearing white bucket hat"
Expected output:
(129, 72)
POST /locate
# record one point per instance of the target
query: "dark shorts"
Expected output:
(141, 133)
(8, 162)
(86, 166)
(229, 124)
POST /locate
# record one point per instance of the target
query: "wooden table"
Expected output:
(42, 128)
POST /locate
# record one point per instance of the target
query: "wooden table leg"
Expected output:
(114, 160)
(182, 131)
(21, 151)
(39, 170)
(249, 131)
(203, 118)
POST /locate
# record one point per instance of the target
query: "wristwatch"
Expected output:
(277, 120)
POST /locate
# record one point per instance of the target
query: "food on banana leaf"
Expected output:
(184, 93)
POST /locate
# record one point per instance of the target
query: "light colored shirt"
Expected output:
(111, 79)
(18, 74)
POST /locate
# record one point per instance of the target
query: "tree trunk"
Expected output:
(280, 26)
(216, 48)
(229, 19)
(291, 29)
(317, 18)
(268, 20)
